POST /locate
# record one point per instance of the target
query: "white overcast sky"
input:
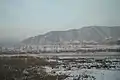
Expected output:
(20, 19)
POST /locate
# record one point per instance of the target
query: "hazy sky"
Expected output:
(20, 19)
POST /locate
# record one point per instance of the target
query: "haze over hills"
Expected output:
(94, 33)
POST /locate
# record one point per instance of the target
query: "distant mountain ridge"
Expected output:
(95, 33)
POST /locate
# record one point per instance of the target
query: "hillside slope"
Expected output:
(95, 33)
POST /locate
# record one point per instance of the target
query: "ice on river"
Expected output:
(99, 74)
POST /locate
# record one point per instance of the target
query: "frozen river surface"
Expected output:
(99, 74)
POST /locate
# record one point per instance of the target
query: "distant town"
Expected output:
(60, 47)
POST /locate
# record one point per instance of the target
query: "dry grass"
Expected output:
(12, 68)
